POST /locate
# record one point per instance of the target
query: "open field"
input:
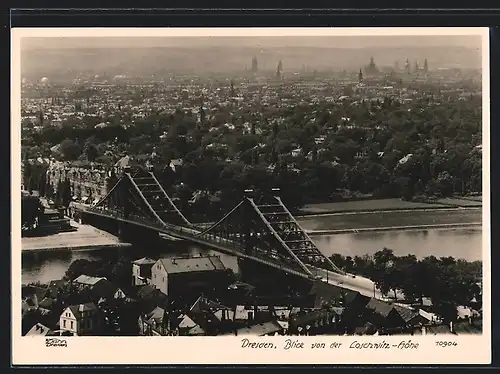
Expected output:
(474, 198)
(385, 219)
(389, 204)
(461, 202)
(368, 205)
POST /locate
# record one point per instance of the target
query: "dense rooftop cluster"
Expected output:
(391, 136)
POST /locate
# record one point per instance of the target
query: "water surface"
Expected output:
(459, 243)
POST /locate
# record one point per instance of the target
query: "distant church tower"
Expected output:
(232, 88)
(279, 70)
(371, 69)
(360, 76)
(407, 66)
(426, 66)
(201, 119)
(417, 68)
(255, 66)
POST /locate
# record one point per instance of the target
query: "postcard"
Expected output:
(250, 196)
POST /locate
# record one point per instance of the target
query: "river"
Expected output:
(459, 243)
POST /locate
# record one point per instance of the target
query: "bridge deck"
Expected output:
(362, 285)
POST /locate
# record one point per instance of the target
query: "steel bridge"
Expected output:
(259, 228)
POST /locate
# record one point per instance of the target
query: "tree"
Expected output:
(70, 294)
(447, 310)
(70, 150)
(184, 194)
(66, 193)
(338, 260)
(409, 269)
(406, 187)
(27, 173)
(79, 267)
(385, 271)
(444, 184)
(122, 272)
(90, 151)
(31, 210)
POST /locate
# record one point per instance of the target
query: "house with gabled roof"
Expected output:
(82, 319)
(141, 271)
(391, 317)
(32, 295)
(188, 277)
(86, 280)
(188, 327)
(212, 317)
(269, 328)
(153, 323)
(101, 288)
(39, 330)
(315, 321)
(54, 287)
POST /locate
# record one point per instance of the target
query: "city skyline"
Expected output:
(352, 42)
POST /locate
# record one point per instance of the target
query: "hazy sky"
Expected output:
(472, 41)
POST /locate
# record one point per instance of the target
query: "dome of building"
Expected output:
(44, 80)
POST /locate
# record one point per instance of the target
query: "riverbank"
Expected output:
(84, 237)
(362, 206)
(394, 228)
(349, 222)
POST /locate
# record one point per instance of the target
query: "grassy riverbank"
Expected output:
(389, 204)
(348, 222)
(395, 228)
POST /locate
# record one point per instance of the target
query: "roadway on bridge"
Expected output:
(356, 283)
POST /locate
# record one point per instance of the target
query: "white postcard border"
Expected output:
(228, 350)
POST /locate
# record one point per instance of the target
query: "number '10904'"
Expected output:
(446, 344)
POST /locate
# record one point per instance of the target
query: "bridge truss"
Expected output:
(259, 227)
(263, 227)
(139, 197)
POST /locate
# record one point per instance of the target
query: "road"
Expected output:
(85, 237)
(356, 283)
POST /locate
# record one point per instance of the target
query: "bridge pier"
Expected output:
(123, 233)
(82, 218)
(271, 280)
(136, 234)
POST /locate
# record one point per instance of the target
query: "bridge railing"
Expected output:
(231, 244)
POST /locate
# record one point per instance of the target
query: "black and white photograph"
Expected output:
(252, 186)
